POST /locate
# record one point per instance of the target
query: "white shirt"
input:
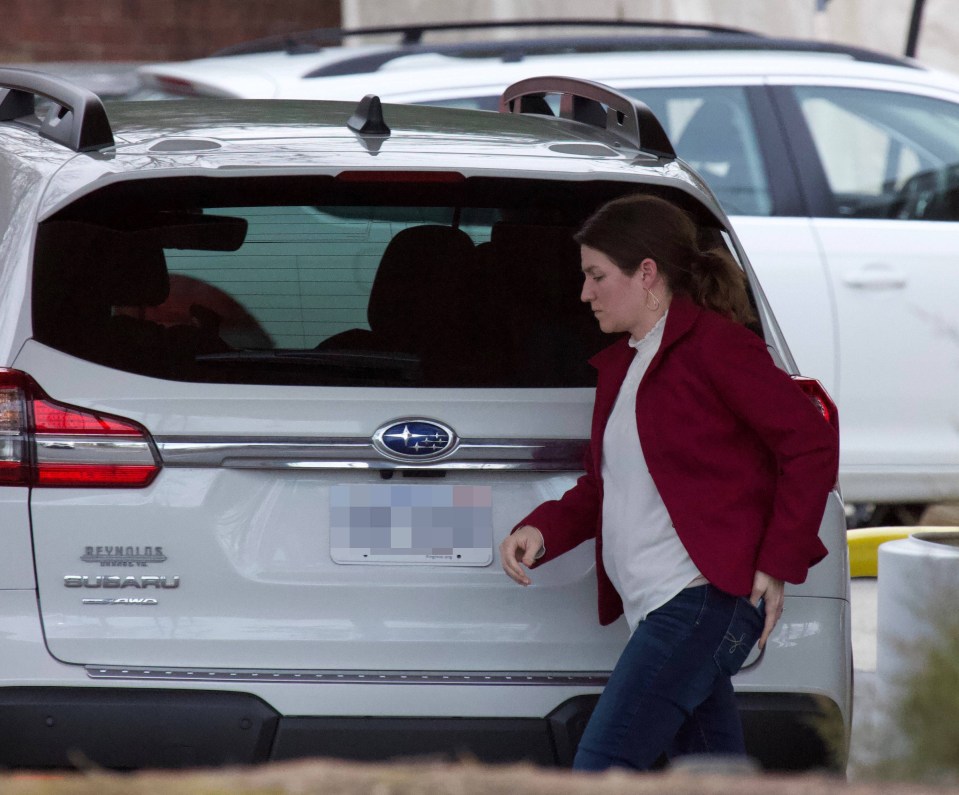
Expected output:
(644, 558)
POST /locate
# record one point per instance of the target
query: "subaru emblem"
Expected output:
(414, 439)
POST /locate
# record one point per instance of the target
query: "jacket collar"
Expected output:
(613, 363)
(683, 313)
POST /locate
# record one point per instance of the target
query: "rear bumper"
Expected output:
(58, 727)
(54, 727)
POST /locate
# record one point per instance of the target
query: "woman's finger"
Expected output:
(511, 551)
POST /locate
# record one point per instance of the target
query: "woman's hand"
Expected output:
(519, 549)
(771, 590)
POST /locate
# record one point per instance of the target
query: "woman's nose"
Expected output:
(585, 295)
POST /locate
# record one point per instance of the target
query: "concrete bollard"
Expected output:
(917, 575)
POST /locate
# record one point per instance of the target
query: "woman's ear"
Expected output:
(648, 269)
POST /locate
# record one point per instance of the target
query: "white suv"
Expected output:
(277, 378)
(838, 167)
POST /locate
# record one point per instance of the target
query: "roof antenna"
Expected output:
(367, 119)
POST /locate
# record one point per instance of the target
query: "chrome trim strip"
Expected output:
(469, 678)
(92, 450)
(353, 453)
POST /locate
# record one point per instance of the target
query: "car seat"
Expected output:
(83, 274)
(543, 333)
(713, 143)
(421, 303)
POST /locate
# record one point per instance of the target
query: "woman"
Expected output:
(706, 481)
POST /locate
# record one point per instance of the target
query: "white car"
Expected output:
(840, 171)
(276, 379)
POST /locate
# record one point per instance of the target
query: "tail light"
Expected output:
(46, 444)
(176, 85)
(820, 397)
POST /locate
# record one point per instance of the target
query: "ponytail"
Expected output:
(719, 284)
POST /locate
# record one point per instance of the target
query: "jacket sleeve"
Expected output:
(804, 444)
(572, 519)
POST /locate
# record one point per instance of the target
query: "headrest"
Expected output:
(711, 129)
(95, 264)
(522, 237)
(538, 253)
(419, 281)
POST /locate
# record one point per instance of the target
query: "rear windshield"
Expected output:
(456, 283)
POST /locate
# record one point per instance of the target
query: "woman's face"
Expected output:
(618, 301)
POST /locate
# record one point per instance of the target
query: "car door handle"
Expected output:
(875, 277)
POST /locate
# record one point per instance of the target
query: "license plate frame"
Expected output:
(401, 524)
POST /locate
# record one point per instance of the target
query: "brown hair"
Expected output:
(632, 228)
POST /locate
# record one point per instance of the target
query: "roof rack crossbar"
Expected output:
(592, 103)
(78, 120)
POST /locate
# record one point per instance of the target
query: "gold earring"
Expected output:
(656, 302)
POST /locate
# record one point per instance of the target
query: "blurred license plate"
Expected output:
(436, 525)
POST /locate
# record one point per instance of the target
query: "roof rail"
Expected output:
(78, 121)
(413, 33)
(591, 103)
(514, 50)
(711, 37)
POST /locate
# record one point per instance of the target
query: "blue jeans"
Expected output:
(670, 692)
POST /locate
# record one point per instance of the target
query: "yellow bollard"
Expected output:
(864, 545)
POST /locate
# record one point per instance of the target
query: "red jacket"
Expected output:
(742, 459)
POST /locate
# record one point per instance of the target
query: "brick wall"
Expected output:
(147, 30)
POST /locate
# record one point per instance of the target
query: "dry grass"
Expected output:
(342, 778)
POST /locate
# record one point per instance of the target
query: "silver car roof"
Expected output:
(86, 147)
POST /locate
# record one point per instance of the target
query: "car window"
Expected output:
(431, 293)
(886, 154)
(712, 129)
(304, 274)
